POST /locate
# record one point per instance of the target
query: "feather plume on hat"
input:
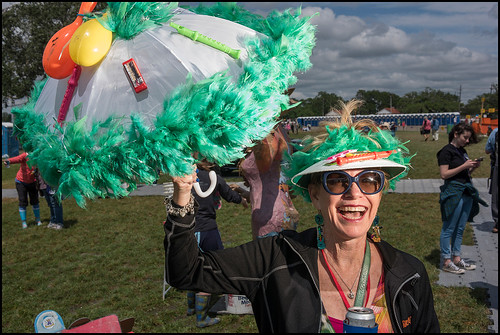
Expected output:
(345, 135)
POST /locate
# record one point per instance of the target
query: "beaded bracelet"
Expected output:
(179, 211)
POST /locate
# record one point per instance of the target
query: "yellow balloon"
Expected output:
(90, 43)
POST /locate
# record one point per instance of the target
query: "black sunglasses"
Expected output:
(339, 182)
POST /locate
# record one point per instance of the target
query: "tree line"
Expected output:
(26, 29)
(426, 101)
(28, 26)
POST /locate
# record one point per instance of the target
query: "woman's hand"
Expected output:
(475, 164)
(472, 164)
(244, 203)
(244, 193)
(182, 188)
(446, 172)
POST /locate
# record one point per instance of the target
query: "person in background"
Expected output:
(304, 282)
(385, 126)
(426, 128)
(208, 235)
(435, 128)
(26, 185)
(55, 206)
(492, 150)
(270, 198)
(158, 173)
(459, 199)
(393, 128)
(288, 126)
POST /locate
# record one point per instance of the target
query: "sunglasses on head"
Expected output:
(339, 182)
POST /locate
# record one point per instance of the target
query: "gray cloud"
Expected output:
(404, 53)
(396, 46)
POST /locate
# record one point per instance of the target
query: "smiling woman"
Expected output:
(308, 281)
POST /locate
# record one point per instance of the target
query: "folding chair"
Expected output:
(165, 284)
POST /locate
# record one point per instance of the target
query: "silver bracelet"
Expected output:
(182, 211)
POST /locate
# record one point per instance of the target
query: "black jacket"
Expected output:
(279, 275)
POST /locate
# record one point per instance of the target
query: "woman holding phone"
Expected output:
(459, 199)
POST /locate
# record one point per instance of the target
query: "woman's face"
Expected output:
(346, 216)
(463, 139)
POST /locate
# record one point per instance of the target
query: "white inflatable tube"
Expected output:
(213, 183)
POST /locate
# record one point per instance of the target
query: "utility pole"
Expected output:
(481, 114)
(459, 97)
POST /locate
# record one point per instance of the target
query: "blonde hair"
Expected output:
(344, 110)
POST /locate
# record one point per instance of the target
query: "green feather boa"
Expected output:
(219, 116)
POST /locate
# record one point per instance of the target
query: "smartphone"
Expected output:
(480, 159)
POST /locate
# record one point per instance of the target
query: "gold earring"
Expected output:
(375, 236)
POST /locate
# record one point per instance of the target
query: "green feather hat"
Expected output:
(319, 153)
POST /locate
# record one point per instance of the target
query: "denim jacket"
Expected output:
(452, 192)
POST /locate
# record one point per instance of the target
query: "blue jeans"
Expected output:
(450, 241)
(209, 240)
(56, 209)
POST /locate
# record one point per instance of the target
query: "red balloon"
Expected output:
(56, 61)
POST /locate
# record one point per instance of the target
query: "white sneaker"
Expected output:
(55, 226)
(465, 266)
(451, 267)
(25, 225)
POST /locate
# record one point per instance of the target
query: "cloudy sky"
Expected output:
(398, 47)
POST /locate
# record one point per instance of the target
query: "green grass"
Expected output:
(110, 260)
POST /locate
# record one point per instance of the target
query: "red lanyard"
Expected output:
(342, 295)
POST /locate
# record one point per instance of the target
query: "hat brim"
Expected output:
(393, 169)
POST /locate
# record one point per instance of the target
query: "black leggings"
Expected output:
(23, 190)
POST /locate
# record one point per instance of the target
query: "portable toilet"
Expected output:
(10, 144)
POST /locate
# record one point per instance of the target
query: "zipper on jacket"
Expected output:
(411, 299)
(414, 277)
(312, 277)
